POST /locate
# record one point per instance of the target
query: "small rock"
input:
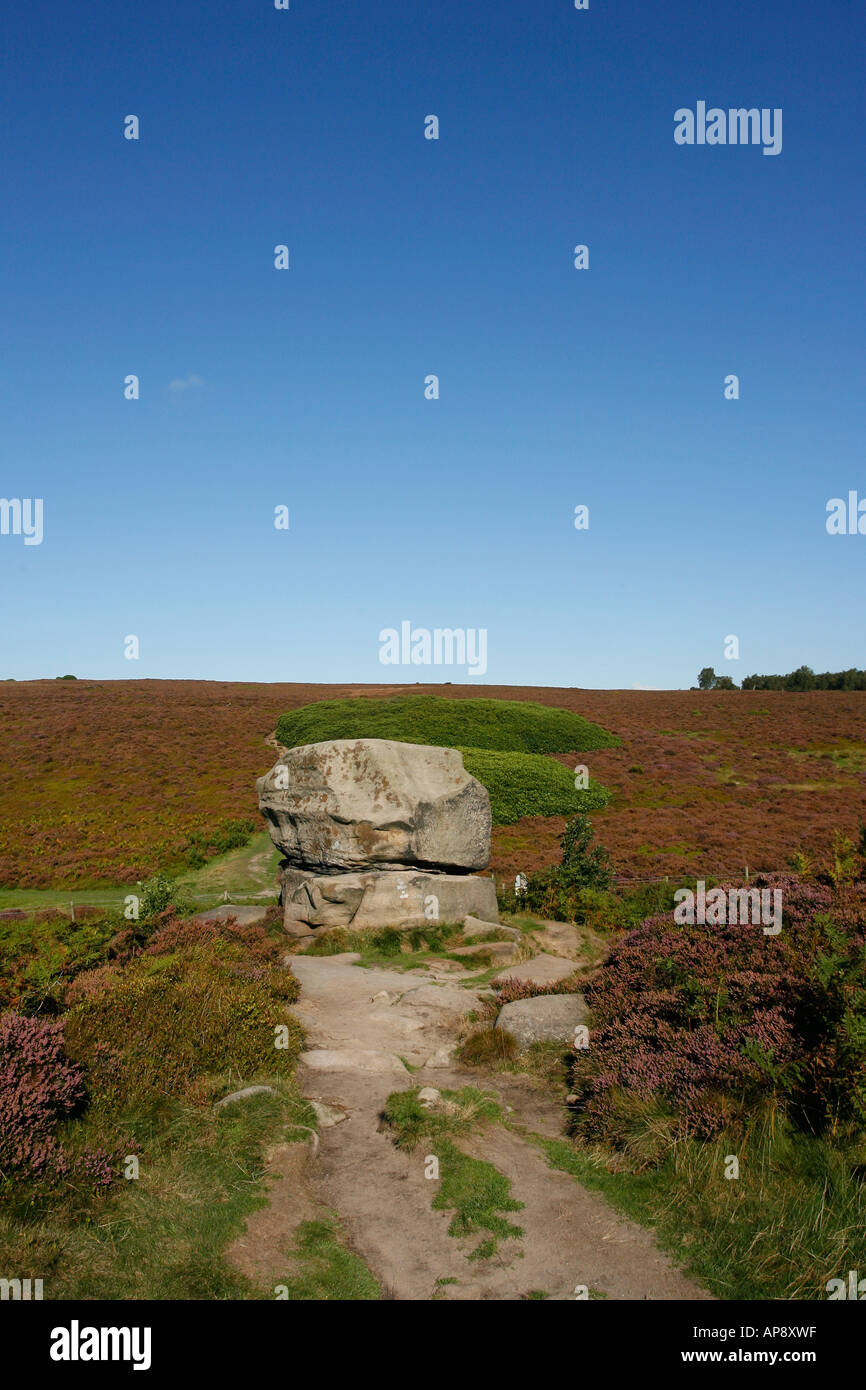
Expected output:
(500, 952)
(398, 1022)
(245, 1095)
(546, 1018)
(476, 926)
(442, 996)
(328, 1115)
(441, 1060)
(428, 1095)
(444, 967)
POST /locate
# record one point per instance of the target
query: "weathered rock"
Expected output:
(559, 939)
(546, 1018)
(359, 803)
(442, 1059)
(541, 970)
(474, 926)
(428, 1096)
(381, 898)
(328, 1115)
(499, 952)
(245, 1095)
(245, 916)
(351, 1059)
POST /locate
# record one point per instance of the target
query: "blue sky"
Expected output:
(409, 257)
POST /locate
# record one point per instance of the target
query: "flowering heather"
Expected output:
(245, 952)
(710, 1021)
(715, 779)
(510, 990)
(39, 1087)
(200, 998)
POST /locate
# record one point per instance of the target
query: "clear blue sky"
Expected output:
(409, 257)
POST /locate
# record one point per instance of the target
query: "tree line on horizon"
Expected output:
(804, 678)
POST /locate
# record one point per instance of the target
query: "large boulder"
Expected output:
(381, 898)
(356, 804)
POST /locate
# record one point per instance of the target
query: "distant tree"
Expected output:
(803, 678)
(708, 680)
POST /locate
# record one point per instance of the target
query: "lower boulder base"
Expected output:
(382, 898)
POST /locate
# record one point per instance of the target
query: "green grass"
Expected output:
(325, 1271)
(403, 949)
(160, 1035)
(529, 784)
(411, 1121)
(249, 871)
(246, 874)
(503, 743)
(163, 1235)
(795, 1218)
(848, 756)
(506, 725)
(476, 1192)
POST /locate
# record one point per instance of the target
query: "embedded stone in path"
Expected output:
(541, 970)
(328, 1115)
(546, 1018)
(475, 926)
(498, 952)
(352, 1059)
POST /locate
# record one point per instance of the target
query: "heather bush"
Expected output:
(39, 1088)
(704, 1024)
(509, 990)
(201, 1000)
(43, 951)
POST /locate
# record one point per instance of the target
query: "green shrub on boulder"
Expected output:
(503, 743)
(517, 726)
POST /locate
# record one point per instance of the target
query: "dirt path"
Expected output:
(360, 1024)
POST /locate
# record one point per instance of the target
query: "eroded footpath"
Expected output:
(371, 1032)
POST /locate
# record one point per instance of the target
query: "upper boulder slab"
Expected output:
(358, 803)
